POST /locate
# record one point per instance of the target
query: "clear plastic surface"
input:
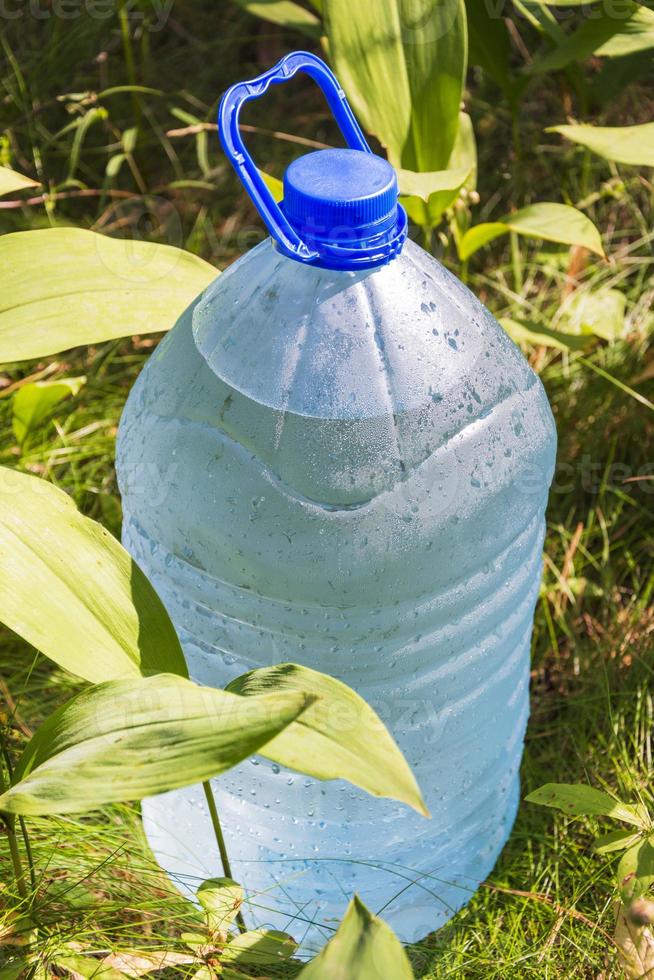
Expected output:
(349, 471)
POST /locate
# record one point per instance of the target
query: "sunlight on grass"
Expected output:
(547, 911)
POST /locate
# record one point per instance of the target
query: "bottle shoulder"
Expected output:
(352, 346)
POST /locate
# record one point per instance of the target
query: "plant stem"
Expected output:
(21, 821)
(128, 54)
(28, 852)
(516, 262)
(515, 130)
(427, 238)
(220, 840)
(19, 874)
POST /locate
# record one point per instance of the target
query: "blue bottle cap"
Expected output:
(340, 207)
(343, 204)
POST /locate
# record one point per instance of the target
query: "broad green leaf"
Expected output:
(285, 13)
(464, 154)
(427, 195)
(636, 870)
(364, 948)
(221, 899)
(89, 288)
(643, 813)
(14, 968)
(70, 589)
(11, 181)
(617, 840)
(402, 64)
(575, 800)
(338, 737)
(199, 942)
(556, 223)
(632, 145)
(424, 185)
(602, 35)
(537, 335)
(35, 401)
(87, 967)
(635, 35)
(549, 221)
(599, 312)
(125, 740)
(259, 948)
(480, 235)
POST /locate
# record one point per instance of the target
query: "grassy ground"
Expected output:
(547, 909)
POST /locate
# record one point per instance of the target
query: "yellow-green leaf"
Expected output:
(402, 65)
(577, 799)
(11, 181)
(598, 312)
(617, 840)
(221, 899)
(635, 34)
(636, 870)
(537, 335)
(96, 615)
(85, 967)
(633, 145)
(602, 35)
(547, 220)
(285, 13)
(480, 235)
(125, 740)
(364, 948)
(14, 968)
(35, 401)
(62, 287)
(339, 736)
(464, 152)
(259, 947)
(427, 195)
(425, 185)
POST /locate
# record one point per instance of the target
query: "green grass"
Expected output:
(547, 910)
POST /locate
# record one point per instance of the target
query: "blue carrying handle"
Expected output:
(228, 127)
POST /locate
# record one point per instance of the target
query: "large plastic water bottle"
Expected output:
(337, 457)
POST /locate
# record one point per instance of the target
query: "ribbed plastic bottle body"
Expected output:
(349, 472)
